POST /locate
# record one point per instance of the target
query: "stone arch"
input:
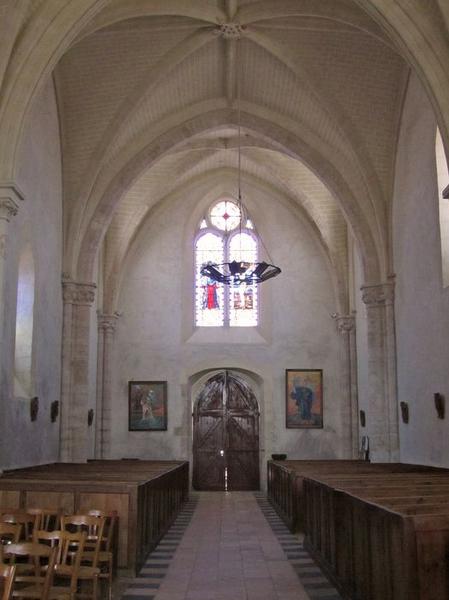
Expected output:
(316, 157)
(339, 117)
(48, 37)
(423, 43)
(219, 179)
(41, 45)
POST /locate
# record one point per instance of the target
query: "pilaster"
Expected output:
(10, 199)
(382, 414)
(78, 299)
(107, 325)
(347, 329)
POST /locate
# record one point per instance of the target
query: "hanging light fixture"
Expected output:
(237, 272)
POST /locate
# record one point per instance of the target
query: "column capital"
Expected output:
(379, 294)
(10, 199)
(345, 323)
(75, 292)
(108, 323)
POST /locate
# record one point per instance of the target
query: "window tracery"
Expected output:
(225, 235)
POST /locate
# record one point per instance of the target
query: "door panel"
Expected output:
(226, 436)
(209, 465)
(242, 452)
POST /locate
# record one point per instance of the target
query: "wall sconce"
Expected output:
(34, 408)
(439, 404)
(54, 410)
(362, 418)
(90, 417)
(404, 412)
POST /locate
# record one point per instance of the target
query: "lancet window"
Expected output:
(225, 234)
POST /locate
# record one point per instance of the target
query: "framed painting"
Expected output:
(304, 398)
(147, 405)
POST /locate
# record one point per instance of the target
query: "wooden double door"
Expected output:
(226, 435)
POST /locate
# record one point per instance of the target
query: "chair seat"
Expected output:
(103, 556)
(29, 591)
(83, 572)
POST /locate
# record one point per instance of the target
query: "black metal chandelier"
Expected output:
(239, 272)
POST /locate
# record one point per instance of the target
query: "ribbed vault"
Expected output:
(147, 100)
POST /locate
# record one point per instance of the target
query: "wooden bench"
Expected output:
(146, 496)
(381, 537)
(285, 481)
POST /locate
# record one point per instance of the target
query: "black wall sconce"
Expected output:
(90, 417)
(34, 408)
(439, 405)
(404, 412)
(362, 418)
(54, 410)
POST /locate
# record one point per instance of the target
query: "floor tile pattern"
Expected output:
(229, 546)
(152, 574)
(315, 583)
(229, 552)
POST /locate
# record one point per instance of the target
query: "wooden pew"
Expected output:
(381, 537)
(284, 485)
(285, 481)
(145, 494)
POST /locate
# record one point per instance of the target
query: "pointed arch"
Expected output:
(303, 146)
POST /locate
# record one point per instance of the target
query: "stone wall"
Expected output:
(156, 339)
(37, 225)
(422, 304)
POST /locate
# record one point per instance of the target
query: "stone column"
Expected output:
(382, 412)
(346, 327)
(105, 364)
(78, 299)
(10, 197)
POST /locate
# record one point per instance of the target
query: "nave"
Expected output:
(228, 546)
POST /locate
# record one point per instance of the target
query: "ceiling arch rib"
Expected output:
(179, 53)
(287, 175)
(117, 11)
(317, 159)
(48, 36)
(361, 157)
(423, 40)
(170, 60)
(36, 53)
(192, 114)
(334, 10)
(223, 180)
(332, 110)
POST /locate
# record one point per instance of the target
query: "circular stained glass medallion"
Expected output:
(225, 215)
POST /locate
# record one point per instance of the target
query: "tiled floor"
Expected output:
(229, 546)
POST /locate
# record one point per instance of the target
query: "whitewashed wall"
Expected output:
(422, 304)
(38, 223)
(156, 339)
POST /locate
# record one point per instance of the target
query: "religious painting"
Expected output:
(304, 398)
(147, 405)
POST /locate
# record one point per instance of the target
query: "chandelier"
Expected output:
(238, 272)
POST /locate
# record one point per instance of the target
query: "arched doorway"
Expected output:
(226, 435)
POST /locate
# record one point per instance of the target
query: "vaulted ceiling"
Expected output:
(147, 101)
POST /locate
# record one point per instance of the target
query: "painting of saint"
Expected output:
(304, 398)
(147, 405)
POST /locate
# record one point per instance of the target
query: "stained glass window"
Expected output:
(217, 242)
(225, 215)
(209, 294)
(243, 298)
